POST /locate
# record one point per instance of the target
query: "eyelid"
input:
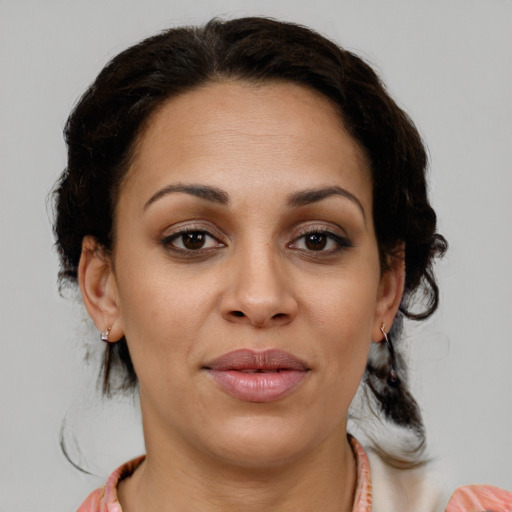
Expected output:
(174, 232)
(194, 225)
(320, 227)
(335, 234)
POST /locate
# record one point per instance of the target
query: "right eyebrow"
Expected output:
(207, 192)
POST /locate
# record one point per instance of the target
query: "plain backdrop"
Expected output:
(448, 63)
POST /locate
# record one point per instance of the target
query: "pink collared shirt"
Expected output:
(473, 498)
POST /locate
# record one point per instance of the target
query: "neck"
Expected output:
(172, 480)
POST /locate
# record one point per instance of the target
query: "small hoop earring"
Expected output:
(105, 334)
(392, 376)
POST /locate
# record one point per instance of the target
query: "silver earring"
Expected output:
(105, 334)
(392, 376)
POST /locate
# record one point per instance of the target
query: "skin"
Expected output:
(258, 282)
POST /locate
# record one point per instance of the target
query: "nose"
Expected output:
(258, 292)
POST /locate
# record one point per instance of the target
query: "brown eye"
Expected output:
(323, 242)
(190, 241)
(193, 240)
(315, 241)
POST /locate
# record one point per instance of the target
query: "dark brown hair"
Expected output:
(102, 130)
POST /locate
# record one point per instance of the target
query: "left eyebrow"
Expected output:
(308, 196)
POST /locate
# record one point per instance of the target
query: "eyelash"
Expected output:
(169, 240)
(340, 241)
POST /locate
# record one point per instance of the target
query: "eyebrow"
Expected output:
(217, 195)
(308, 196)
(213, 194)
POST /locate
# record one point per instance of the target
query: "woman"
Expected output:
(245, 211)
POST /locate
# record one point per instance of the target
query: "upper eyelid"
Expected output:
(169, 239)
(331, 230)
(177, 234)
(320, 227)
(328, 233)
(194, 226)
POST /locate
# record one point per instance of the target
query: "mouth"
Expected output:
(257, 376)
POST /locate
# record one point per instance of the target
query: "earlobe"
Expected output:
(98, 288)
(391, 289)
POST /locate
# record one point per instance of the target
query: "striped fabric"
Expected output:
(480, 498)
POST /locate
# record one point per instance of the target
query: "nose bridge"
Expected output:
(258, 279)
(259, 292)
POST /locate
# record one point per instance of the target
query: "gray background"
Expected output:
(449, 63)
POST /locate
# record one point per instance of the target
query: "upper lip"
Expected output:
(245, 359)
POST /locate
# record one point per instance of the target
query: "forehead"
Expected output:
(237, 131)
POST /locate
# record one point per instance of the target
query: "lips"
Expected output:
(257, 376)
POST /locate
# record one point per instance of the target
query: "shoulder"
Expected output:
(480, 498)
(405, 490)
(105, 498)
(94, 502)
(422, 490)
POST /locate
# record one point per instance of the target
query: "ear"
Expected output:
(99, 289)
(391, 288)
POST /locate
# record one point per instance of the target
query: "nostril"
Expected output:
(278, 316)
(238, 313)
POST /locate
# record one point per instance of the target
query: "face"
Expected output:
(245, 273)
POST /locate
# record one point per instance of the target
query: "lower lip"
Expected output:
(260, 386)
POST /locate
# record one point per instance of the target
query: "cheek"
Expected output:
(162, 313)
(341, 316)
(345, 305)
(170, 316)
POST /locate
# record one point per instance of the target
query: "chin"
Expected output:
(257, 456)
(265, 443)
